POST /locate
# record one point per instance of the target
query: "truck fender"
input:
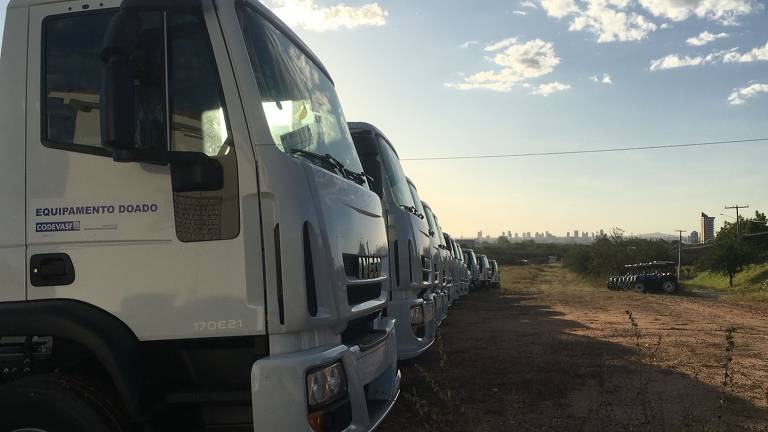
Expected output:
(104, 335)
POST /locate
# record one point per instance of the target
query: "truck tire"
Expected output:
(56, 403)
(638, 287)
(669, 286)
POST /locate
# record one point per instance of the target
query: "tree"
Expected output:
(728, 256)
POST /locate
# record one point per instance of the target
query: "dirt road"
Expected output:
(552, 352)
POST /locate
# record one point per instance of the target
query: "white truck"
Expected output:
(484, 278)
(425, 238)
(411, 302)
(438, 264)
(188, 242)
(454, 268)
(463, 272)
(495, 274)
(474, 268)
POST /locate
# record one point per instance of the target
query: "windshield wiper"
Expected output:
(413, 210)
(332, 164)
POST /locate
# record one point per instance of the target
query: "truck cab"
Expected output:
(438, 263)
(411, 304)
(495, 274)
(186, 229)
(484, 268)
(455, 268)
(463, 270)
(474, 268)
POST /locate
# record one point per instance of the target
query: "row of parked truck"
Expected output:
(193, 237)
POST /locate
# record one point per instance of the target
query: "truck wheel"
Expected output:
(669, 287)
(638, 287)
(55, 403)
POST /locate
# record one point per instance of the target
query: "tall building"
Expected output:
(707, 228)
(576, 233)
(694, 237)
(517, 235)
(479, 234)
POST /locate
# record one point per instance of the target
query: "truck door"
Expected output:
(131, 238)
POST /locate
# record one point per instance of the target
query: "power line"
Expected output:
(576, 152)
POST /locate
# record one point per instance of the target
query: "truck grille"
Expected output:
(362, 267)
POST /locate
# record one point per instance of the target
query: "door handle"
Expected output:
(52, 269)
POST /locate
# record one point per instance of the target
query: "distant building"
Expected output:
(479, 234)
(694, 236)
(576, 233)
(602, 233)
(707, 228)
(517, 235)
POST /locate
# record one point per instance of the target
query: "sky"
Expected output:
(484, 77)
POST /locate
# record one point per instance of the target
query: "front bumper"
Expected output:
(410, 345)
(279, 389)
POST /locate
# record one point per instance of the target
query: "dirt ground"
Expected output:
(553, 352)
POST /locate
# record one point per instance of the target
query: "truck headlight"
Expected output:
(326, 384)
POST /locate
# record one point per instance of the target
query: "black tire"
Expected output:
(638, 287)
(669, 286)
(56, 403)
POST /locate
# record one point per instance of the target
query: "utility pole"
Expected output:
(738, 220)
(679, 253)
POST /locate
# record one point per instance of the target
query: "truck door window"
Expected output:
(395, 175)
(72, 80)
(198, 124)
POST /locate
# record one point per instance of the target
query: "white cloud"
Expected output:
(674, 61)
(559, 8)
(705, 38)
(549, 88)
(501, 44)
(740, 95)
(519, 12)
(611, 25)
(308, 15)
(732, 55)
(468, 44)
(608, 19)
(516, 62)
(528, 4)
(604, 79)
(753, 55)
(722, 11)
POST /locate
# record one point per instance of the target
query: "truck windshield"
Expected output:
(430, 220)
(299, 100)
(471, 258)
(416, 199)
(440, 235)
(395, 176)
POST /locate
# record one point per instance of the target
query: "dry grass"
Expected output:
(552, 351)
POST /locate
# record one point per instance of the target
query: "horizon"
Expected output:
(443, 79)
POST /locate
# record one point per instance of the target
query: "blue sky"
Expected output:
(454, 77)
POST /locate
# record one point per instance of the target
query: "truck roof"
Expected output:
(363, 127)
